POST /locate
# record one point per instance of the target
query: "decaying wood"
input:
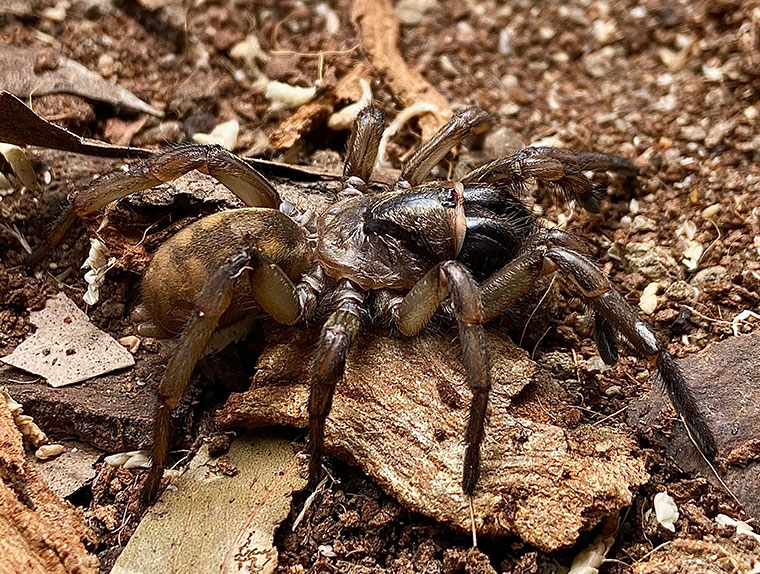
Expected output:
(709, 556)
(379, 29)
(314, 114)
(39, 532)
(400, 414)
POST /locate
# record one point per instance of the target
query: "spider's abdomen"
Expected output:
(181, 266)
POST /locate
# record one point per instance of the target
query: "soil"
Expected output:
(672, 86)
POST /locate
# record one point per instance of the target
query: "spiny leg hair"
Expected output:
(613, 315)
(560, 168)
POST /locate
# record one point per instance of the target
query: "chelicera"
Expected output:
(470, 248)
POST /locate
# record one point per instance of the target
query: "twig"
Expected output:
(379, 31)
(707, 461)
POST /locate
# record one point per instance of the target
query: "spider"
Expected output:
(470, 246)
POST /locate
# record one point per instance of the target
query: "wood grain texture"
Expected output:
(400, 413)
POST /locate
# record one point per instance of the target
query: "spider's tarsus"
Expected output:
(683, 399)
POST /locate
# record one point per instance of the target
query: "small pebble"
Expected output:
(711, 211)
(613, 390)
(48, 451)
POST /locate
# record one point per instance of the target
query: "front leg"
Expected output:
(561, 169)
(338, 333)
(451, 278)
(162, 167)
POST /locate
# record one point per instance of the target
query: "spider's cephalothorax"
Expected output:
(407, 249)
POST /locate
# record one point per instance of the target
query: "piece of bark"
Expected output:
(379, 29)
(213, 522)
(710, 556)
(726, 383)
(314, 114)
(113, 412)
(399, 413)
(39, 532)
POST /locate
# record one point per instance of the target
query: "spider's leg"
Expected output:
(561, 168)
(364, 143)
(338, 332)
(605, 337)
(273, 291)
(427, 156)
(613, 314)
(416, 309)
(162, 167)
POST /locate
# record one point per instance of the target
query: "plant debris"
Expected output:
(39, 532)
(67, 348)
(214, 522)
(398, 414)
(380, 34)
(26, 72)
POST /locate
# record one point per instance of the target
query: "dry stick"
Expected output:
(707, 461)
(379, 31)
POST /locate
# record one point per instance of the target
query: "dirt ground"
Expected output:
(673, 86)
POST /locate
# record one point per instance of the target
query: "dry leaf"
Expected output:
(21, 75)
(217, 523)
(21, 126)
(67, 348)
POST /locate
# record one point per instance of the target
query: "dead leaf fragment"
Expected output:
(21, 75)
(67, 348)
(71, 470)
(21, 126)
(217, 523)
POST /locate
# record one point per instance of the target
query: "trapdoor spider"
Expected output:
(404, 251)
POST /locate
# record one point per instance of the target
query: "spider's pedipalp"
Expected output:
(463, 124)
(605, 337)
(612, 315)
(363, 144)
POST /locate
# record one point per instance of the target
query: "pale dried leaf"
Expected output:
(217, 523)
(665, 510)
(17, 75)
(67, 348)
(20, 164)
(225, 135)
